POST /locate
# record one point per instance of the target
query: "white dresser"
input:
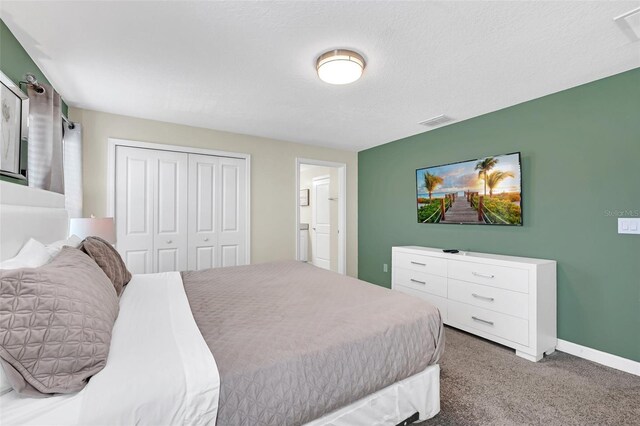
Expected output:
(510, 300)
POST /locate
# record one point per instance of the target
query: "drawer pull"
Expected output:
(482, 321)
(477, 296)
(418, 263)
(482, 275)
(419, 282)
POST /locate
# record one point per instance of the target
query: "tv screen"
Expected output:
(486, 191)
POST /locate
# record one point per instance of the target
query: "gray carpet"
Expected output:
(483, 383)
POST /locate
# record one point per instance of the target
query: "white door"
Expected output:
(177, 211)
(151, 209)
(233, 207)
(204, 212)
(134, 208)
(321, 217)
(170, 239)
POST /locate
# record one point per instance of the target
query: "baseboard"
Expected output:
(604, 358)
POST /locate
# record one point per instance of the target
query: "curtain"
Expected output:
(44, 161)
(72, 160)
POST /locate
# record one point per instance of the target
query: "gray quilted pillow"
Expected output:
(55, 323)
(109, 260)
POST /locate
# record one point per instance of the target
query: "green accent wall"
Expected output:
(15, 62)
(580, 170)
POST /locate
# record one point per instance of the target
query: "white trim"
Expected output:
(604, 358)
(342, 208)
(112, 143)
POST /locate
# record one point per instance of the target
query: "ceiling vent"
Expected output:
(436, 121)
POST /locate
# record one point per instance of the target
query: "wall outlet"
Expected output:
(385, 267)
(629, 225)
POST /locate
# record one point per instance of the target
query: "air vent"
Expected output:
(436, 121)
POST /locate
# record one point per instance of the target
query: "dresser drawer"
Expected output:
(496, 276)
(494, 323)
(416, 262)
(421, 281)
(492, 298)
(437, 301)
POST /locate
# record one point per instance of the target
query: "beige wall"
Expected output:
(273, 171)
(307, 173)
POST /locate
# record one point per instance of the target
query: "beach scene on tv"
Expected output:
(483, 191)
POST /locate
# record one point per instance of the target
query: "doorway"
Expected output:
(321, 214)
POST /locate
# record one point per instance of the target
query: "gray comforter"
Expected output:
(293, 342)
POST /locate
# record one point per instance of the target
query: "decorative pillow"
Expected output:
(55, 324)
(31, 255)
(55, 247)
(109, 260)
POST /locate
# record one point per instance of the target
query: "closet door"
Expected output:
(233, 206)
(204, 211)
(171, 211)
(177, 211)
(134, 209)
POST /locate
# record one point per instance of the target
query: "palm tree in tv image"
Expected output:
(431, 182)
(494, 179)
(483, 167)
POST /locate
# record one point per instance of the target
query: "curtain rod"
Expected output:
(70, 123)
(30, 80)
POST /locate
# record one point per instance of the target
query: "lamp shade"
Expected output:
(93, 227)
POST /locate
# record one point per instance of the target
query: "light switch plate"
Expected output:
(629, 225)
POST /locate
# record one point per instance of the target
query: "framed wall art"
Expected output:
(14, 113)
(304, 197)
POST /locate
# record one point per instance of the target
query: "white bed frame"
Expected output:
(392, 405)
(33, 213)
(29, 213)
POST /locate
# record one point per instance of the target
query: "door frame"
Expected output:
(113, 143)
(342, 208)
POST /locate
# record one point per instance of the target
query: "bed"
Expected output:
(281, 343)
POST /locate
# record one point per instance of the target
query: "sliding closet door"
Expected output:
(233, 207)
(170, 221)
(134, 209)
(204, 211)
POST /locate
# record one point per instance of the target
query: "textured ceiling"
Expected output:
(248, 67)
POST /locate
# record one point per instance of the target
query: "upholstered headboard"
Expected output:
(29, 213)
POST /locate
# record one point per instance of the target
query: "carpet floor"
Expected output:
(483, 383)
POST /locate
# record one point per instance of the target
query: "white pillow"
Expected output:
(54, 248)
(32, 255)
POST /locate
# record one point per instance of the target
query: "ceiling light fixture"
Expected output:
(340, 66)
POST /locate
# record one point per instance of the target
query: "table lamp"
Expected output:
(93, 227)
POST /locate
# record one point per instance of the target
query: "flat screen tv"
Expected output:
(486, 191)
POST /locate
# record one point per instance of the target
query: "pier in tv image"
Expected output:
(486, 191)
